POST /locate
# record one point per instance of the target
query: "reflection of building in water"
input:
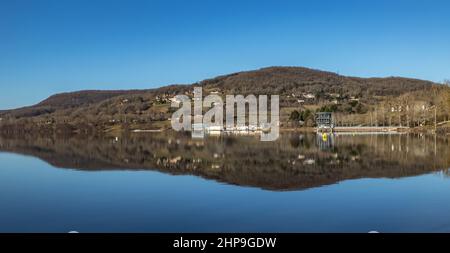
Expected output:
(198, 130)
(325, 141)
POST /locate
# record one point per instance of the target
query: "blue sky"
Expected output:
(65, 45)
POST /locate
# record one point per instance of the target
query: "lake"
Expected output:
(169, 182)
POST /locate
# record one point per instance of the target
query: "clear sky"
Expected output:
(65, 45)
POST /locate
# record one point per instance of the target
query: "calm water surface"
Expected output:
(168, 182)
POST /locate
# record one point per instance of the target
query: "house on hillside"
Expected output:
(309, 96)
(334, 95)
(175, 100)
(354, 99)
(215, 92)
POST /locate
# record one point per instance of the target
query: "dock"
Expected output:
(365, 129)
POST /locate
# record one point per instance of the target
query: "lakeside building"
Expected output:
(324, 120)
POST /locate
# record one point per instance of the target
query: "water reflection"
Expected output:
(294, 161)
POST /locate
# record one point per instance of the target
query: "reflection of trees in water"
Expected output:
(299, 140)
(295, 161)
(295, 141)
(446, 172)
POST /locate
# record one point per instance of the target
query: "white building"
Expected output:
(309, 96)
(175, 100)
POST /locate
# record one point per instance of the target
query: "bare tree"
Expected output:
(447, 82)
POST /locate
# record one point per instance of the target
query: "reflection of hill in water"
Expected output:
(292, 162)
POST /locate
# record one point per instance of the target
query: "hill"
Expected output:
(301, 89)
(287, 80)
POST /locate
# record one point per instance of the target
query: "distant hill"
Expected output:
(287, 80)
(299, 89)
